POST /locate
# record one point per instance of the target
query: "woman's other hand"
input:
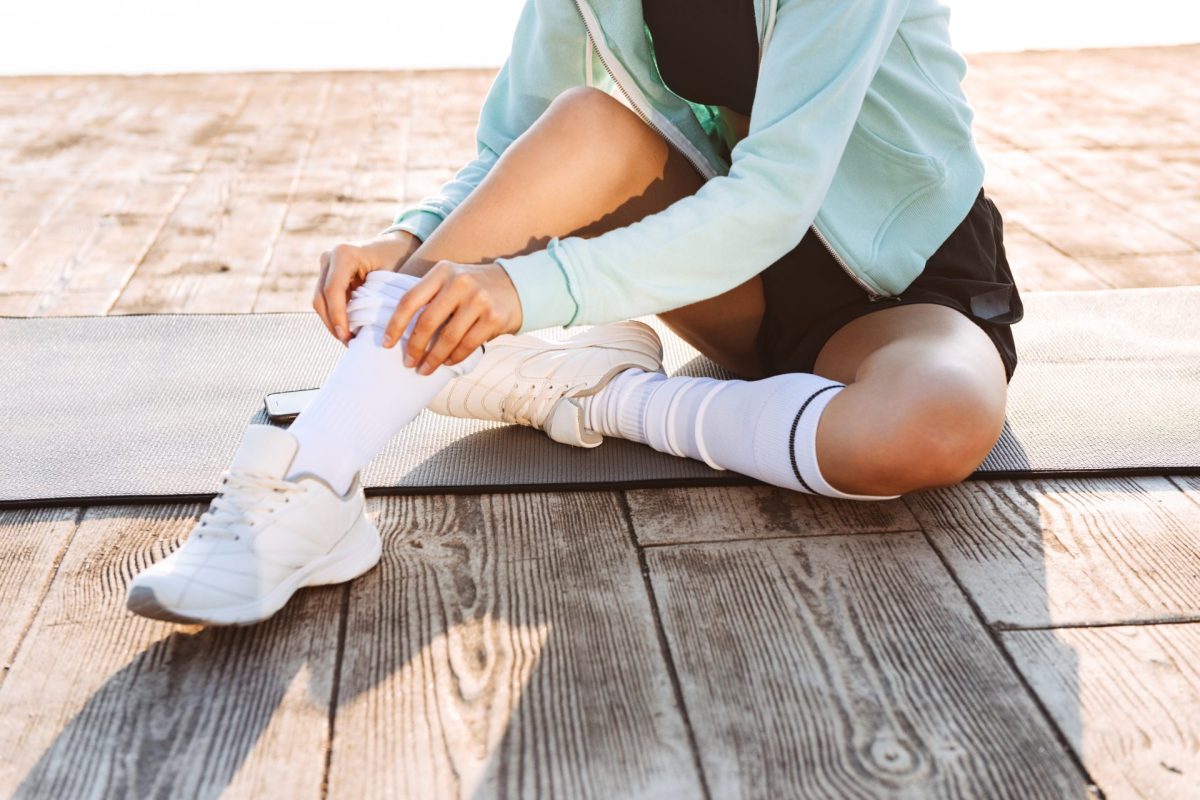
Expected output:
(345, 267)
(465, 305)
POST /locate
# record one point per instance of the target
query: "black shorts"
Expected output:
(809, 296)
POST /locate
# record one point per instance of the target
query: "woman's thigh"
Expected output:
(899, 337)
(725, 328)
(589, 165)
(586, 166)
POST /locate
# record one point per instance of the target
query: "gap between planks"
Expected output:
(56, 561)
(663, 646)
(994, 634)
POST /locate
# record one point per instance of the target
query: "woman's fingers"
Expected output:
(318, 302)
(410, 304)
(482, 306)
(482, 331)
(448, 339)
(457, 307)
(343, 266)
(433, 317)
(475, 314)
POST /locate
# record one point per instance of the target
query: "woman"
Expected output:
(793, 187)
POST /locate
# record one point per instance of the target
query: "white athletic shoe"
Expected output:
(262, 538)
(529, 381)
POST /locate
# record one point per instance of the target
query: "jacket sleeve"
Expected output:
(812, 83)
(421, 219)
(549, 54)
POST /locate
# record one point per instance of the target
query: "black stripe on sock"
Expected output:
(792, 435)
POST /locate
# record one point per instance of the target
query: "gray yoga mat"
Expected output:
(152, 407)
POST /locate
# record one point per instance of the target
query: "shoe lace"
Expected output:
(530, 403)
(244, 500)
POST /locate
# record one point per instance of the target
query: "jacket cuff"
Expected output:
(418, 222)
(547, 297)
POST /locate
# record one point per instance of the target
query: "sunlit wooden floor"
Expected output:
(1029, 638)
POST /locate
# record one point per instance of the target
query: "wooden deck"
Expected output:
(1029, 638)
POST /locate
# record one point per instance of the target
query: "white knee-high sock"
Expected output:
(370, 395)
(766, 429)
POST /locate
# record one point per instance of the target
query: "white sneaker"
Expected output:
(262, 538)
(529, 381)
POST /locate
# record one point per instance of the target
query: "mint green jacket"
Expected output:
(859, 129)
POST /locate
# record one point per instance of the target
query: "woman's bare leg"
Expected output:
(923, 405)
(590, 165)
(584, 167)
(926, 390)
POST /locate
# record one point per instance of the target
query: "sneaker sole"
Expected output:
(362, 553)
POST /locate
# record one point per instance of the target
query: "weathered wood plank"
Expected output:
(1056, 208)
(349, 189)
(183, 114)
(1069, 551)
(506, 647)
(718, 513)
(1181, 217)
(1189, 485)
(1164, 269)
(88, 141)
(62, 124)
(1135, 177)
(212, 252)
(100, 703)
(31, 543)
(847, 667)
(25, 209)
(69, 131)
(1127, 700)
(1038, 267)
(91, 242)
(90, 279)
(19, 304)
(1133, 98)
(389, 140)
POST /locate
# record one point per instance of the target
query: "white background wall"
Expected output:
(134, 36)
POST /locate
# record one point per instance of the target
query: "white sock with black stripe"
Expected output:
(766, 429)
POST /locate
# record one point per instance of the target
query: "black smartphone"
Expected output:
(286, 406)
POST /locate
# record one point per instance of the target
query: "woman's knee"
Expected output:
(926, 426)
(948, 417)
(594, 123)
(589, 109)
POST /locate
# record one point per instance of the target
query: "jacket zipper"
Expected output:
(872, 295)
(705, 169)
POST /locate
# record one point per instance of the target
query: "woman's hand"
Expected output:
(465, 305)
(345, 267)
